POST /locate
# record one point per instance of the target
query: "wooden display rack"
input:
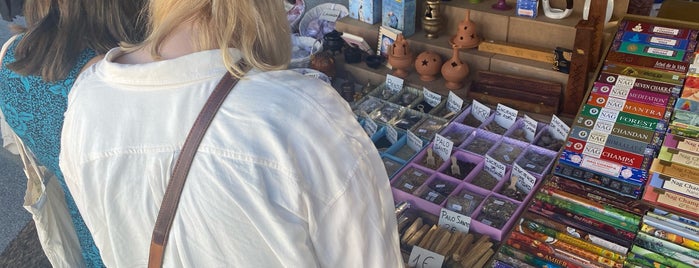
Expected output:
(500, 26)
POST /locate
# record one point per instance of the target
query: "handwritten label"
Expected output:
(394, 84)
(422, 258)
(480, 111)
(495, 168)
(433, 99)
(330, 15)
(391, 134)
(442, 146)
(505, 116)
(525, 181)
(529, 127)
(560, 128)
(454, 102)
(414, 141)
(370, 126)
(453, 221)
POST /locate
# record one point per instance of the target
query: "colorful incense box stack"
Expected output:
(670, 234)
(590, 212)
(571, 224)
(620, 127)
(666, 240)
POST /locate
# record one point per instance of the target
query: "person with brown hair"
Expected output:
(39, 66)
(284, 176)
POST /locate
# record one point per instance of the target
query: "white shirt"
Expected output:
(284, 177)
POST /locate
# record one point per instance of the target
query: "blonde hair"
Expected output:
(258, 28)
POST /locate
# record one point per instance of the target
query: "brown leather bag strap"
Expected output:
(181, 169)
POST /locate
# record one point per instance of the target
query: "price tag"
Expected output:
(330, 15)
(495, 168)
(525, 181)
(454, 221)
(480, 111)
(442, 146)
(529, 128)
(370, 126)
(454, 103)
(560, 128)
(422, 258)
(393, 83)
(433, 99)
(414, 142)
(391, 134)
(505, 116)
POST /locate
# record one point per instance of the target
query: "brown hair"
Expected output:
(59, 30)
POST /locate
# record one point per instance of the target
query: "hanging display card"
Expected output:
(442, 146)
(394, 84)
(422, 258)
(494, 167)
(525, 181)
(391, 134)
(370, 126)
(454, 221)
(529, 128)
(454, 102)
(414, 142)
(480, 111)
(433, 99)
(505, 116)
(560, 128)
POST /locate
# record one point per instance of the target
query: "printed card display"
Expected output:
(494, 167)
(529, 127)
(386, 38)
(480, 111)
(433, 99)
(454, 102)
(525, 181)
(505, 116)
(422, 258)
(414, 141)
(453, 221)
(394, 83)
(442, 146)
(391, 134)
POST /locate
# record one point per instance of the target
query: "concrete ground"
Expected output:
(13, 217)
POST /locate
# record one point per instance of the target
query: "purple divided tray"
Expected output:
(456, 132)
(480, 142)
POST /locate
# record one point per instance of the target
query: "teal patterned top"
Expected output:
(34, 110)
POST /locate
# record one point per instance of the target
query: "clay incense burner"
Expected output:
(428, 64)
(400, 57)
(454, 71)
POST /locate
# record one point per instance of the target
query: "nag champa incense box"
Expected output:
(654, 138)
(626, 81)
(633, 94)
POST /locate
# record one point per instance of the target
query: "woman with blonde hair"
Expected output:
(39, 66)
(284, 176)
